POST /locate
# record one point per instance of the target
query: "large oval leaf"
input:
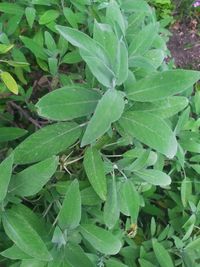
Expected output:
(47, 142)
(5, 175)
(70, 213)
(108, 110)
(94, 168)
(24, 236)
(31, 180)
(151, 130)
(68, 103)
(163, 84)
(102, 240)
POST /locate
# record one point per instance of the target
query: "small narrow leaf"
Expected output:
(131, 200)
(47, 142)
(111, 209)
(162, 254)
(68, 103)
(30, 13)
(70, 214)
(94, 168)
(102, 240)
(154, 177)
(9, 81)
(108, 110)
(24, 236)
(48, 16)
(5, 175)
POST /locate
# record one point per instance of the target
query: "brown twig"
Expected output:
(25, 114)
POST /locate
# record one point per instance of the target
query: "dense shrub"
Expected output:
(101, 146)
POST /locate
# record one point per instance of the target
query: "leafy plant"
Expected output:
(107, 174)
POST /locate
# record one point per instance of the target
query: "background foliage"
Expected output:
(100, 148)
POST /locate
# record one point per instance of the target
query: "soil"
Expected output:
(184, 44)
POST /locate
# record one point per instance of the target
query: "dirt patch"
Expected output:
(184, 44)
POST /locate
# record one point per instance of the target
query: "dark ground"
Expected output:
(184, 43)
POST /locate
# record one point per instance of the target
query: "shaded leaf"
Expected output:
(108, 110)
(5, 175)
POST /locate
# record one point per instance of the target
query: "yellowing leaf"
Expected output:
(10, 82)
(5, 48)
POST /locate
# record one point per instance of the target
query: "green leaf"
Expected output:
(70, 214)
(162, 84)
(14, 253)
(114, 15)
(154, 177)
(93, 53)
(5, 175)
(31, 180)
(131, 200)
(5, 48)
(121, 63)
(11, 133)
(50, 43)
(151, 130)
(135, 6)
(48, 16)
(145, 263)
(165, 108)
(32, 263)
(68, 103)
(94, 168)
(101, 239)
(114, 263)
(30, 13)
(193, 245)
(89, 197)
(9, 81)
(162, 254)
(108, 110)
(47, 142)
(77, 257)
(72, 57)
(21, 233)
(144, 40)
(111, 209)
(33, 46)
(11, 8)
